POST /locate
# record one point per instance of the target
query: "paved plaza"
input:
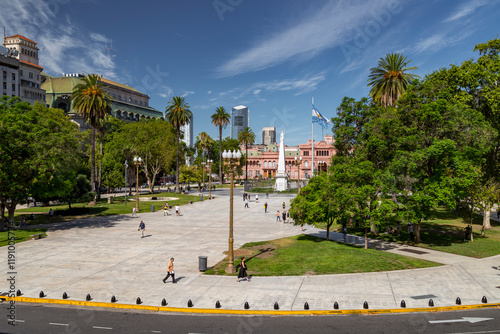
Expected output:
(106, 256)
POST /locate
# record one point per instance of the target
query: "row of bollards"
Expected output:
(246, 306)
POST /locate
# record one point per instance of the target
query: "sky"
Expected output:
(272, 56)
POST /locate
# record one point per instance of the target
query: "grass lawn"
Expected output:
(445, 232)
(102, 208)
(308, 255)
(21, 235)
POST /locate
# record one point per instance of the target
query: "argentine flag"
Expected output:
(318, 118)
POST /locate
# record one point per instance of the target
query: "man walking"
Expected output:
(177, 209)
(170, 271)
(134, 213)
(142, 228)
(278, 215)
(265, 207)
(246, 203)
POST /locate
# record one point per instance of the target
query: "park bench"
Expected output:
(36, 236)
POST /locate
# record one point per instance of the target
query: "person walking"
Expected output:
(283, 205)
(278, 216)
(170, 271)
(257, 198)
(165, 209)
(284, 216)
(243, 271)
(265, 207)
(246, 203)
(410, 230)
(142, 228)
(267, 194)
(51, 214)
(134, 212)
(177, 210)
(288, 216)
(467, 232)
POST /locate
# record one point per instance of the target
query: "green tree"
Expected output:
(93, 103)
(220, 119)
(82, 191)
(38, 148)
(246, 137)
(178, 114)
(389, 80)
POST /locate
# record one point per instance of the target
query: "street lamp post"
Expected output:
(137, 162)
(126, 166)
(298, 162)
(203, 167)
(209, 167)
(232, 160)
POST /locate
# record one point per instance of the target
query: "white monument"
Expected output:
(281, 177)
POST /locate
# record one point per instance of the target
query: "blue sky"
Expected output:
(272, 56)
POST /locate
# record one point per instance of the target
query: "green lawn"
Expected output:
(102, 208)
(445, 232)
(308, 255)
(20, 235)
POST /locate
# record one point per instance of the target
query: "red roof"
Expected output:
(22, 37)
(27, 62)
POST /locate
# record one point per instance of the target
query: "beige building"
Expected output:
(30, 73)
(268, 135)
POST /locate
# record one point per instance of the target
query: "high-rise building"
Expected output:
(268, 135)
(30, 73)
(240, 118)
(187, 130)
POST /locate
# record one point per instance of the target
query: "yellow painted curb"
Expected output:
(243, 312)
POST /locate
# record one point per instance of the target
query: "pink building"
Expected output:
(263, 159)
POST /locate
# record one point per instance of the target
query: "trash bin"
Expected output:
(201, 198)
(152, 208)
(202, 263)
(110, 200)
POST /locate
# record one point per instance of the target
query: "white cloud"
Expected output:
(466, 10)
(186, 93)
(99, 38)
(329, 27)
(440, 40)
(166, 91)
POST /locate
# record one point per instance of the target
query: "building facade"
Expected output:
(263, 159)
(30, 73)
(129, 104)
(9, 69)
(187, 130)
(240, 118)
(268, 135)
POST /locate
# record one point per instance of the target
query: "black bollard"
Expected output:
(163, 302)
(190, 303)
(403, 303)
(458, 301)
(217, 304)
(88, 297)
(431, 303)
(365, 305)
(65, 295)
(138, 301)
(247, 306)
(41, 295)
(336, 306)
(276, 306)
(484, 300)
(306, 306)
(18, 293)
(113, 299)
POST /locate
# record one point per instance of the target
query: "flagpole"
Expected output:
(312, 144)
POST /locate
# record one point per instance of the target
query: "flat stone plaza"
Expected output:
(106, 256)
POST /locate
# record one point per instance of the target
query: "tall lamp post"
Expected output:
(209, 167)
(231, 159)
(203, 164)
(137, 162)
(298, 161)
(126, 167)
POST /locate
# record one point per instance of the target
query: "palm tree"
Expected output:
(93, 104)
(389, 80)
(246, 137)
(221, 119)
(178, 114)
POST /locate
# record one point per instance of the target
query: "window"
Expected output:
(30, 75)
(4, 85)
(13, 87)
(306, 153)
(13, 76)
(265, 164)
(5, 75)
(306, 164)
(21, 73)
(274, 164)
(250, 173)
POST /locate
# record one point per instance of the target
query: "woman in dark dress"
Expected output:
(243, 270)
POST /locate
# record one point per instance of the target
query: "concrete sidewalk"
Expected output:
(106, 256)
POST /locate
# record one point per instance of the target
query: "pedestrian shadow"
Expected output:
(180, 278)
(148, 235)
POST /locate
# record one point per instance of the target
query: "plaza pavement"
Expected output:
(106, 256)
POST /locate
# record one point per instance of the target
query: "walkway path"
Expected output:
(106, 256)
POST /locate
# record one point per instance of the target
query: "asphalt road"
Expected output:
(33, 318)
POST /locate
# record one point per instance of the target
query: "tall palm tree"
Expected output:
(221, 119)
(178, 114)
(93, 103)
(246, 137)
(389, 80)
